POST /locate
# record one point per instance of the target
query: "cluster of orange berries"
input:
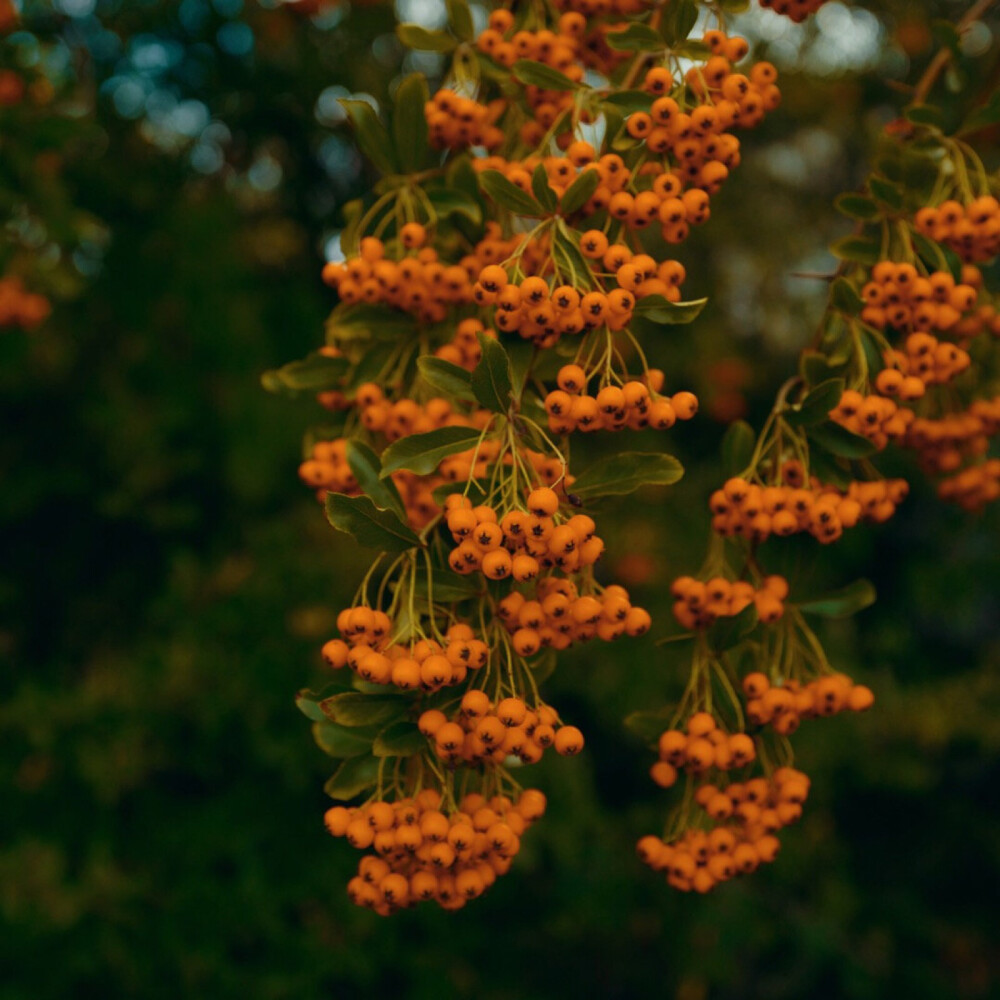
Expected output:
(422, 853)
(974, 487)
(522, 542)
(898, 296)
(972, 231)
(482, 732)
(942, 444)
(636, 404)
(557, 616)
(426, 664)
(756, 512)
(19, 307)
(924, 361)
(876, 418)
(457, 122)
(697, 603)
(420, 283)
(794, 10)
(463, 349)
(699, 860)
(702, 747)
(784, 706)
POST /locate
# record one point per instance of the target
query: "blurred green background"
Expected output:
(165, 581)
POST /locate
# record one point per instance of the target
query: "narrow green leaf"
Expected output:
(537, 74)
(315, 373)
(460, 19)
(446, 376)
(629, 101)
(985, 116)
(856, 206)
(308, 702)
(369, 322)
(570, 261)
(829, 470)
(737, 447)
(544, 195)
(682, 16)
(841, 603)
(424, 40)
(491, 379)
(352, 778)
(816, 406)
(660, 310)
(352, 708)
(838, 440)
(370, 133)
(857, 249)
(941, 257)
(401, 739)
(730, 630)
(844, 296)
(371, 526)
(635, 38)
(343, 741)
(508, 195)
(409, 125)
(423, 453)
(448, 586)
(626, 472)
(367, 469)
(887, 193)
(453, 201)
(578, 193)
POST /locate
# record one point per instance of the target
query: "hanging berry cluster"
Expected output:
(905, 357)
(497, 289)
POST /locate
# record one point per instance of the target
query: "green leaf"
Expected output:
(856, 206)
(649, 725)
(423, 453)
(841, 603)
(452, 201)
(887, 193)
(626, 472)
(629, 101)
(857, 249)
(371, 526)
(924, 114)
(401, 739)
(635, 38)
(985, 116)
(309, 702)
(660, 310)
(460, 19)
(682, 16)
(737, 447)
(370, 133)
(838, 440)
(352, 708)
(424, 40)
(315, 373)
(409, 125)
(692, 49)
(578, 193)
(816, 406)
(369, 322)
(448, 586)
(941, 257)
(352, 778)
(829, 470)
(539, 75)
(491, 378)
(728, 631)
(446, 376)
(367, 469)
(815, 367)
(508, 195)
(573, 265)
(844, 296)
(545, 196)
(343, 741)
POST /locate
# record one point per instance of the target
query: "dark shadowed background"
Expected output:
(166, 582)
